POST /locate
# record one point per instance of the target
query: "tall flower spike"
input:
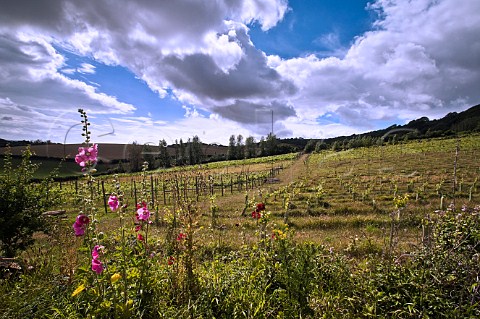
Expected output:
(86, 124)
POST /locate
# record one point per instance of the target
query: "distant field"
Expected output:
(107, 152)
(47, 165)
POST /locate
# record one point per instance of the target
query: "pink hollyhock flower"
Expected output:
(138, 228)
(181, 237)
(97, 266)
(143, 213)
(140, 237)
(113, 202)
(82, 220)
(96, 251)
(256, 215)
(79, 225)
(79, 229)
(86, 155)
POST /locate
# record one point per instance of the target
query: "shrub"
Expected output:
(22, 203)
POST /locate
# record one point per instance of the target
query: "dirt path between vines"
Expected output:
(235, 202)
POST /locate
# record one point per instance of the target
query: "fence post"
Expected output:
(104, 198)
(135, 191)
(131, 188)
(196, 186)
(210, 181)
(151, 191)
(156, 190)
(164, 193)
(185, 195)
(221, 183)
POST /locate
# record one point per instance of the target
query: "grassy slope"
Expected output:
(357, 191)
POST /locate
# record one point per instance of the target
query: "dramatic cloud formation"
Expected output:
(423, 59)
(419, 58)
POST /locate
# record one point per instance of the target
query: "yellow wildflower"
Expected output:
(115, 277)
(78, 290)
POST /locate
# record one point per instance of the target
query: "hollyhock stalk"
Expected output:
(143, 215)
(117, 202)
(87, 158)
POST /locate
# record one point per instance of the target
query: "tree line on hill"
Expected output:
(193, 152)
(450, 125)
(4, 143)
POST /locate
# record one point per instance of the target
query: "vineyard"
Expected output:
(368, 232)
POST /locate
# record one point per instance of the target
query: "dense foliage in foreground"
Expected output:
(22, 203)
(280, 279)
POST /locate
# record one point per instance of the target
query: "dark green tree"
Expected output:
(163, 157)
(177, 152)
(190, 152)
(320, 146)
(271, 144)
(262, 146)
(310, 147)
(182, 158)
(336, 146)
(231, 152)
(240, 148)
(149, 155)
(197, 153)
(22, 203)
(135, 158)
(250, 147)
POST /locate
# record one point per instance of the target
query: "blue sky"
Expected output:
(215, 68)
(323, 28)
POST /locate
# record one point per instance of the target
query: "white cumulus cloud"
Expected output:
(419, 58)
